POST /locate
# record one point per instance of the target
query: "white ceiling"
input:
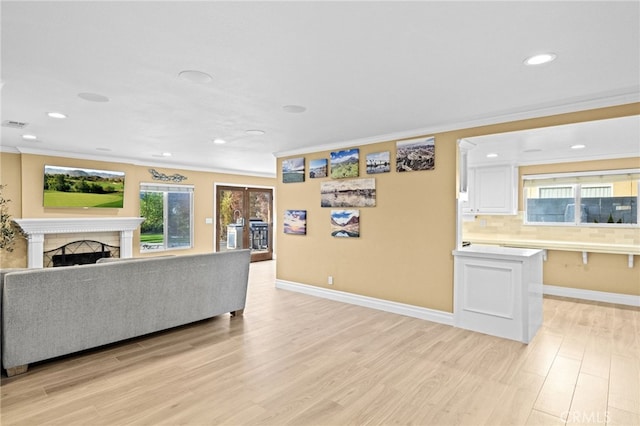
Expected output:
(365, 71)
(602, 139)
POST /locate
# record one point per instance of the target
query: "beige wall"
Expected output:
(403, 254)
(24, 176)
(405, 240)
(404, 250)
(10, 170)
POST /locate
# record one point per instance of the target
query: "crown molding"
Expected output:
(498, 118)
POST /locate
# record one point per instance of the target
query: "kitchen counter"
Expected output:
(629, 250)
(560, 245)
(496, 251)
(498, 291)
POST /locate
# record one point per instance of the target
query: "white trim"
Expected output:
(611, 172)
(62, 225)
(136, 162)
(432, 315)
(499, 118)
(597, 296)
(161, 184)
(37, 228)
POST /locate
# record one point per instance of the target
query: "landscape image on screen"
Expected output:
(81, 187)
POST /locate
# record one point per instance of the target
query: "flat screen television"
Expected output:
(82, 187)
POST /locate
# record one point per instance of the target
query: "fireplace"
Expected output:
(79, 253)
(36, 229)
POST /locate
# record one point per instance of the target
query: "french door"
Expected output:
(244, 218)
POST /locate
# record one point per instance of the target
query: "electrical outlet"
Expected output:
(330, 280)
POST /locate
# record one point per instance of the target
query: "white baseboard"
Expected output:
(597, 296)
(432, 315)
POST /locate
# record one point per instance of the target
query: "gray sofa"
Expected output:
(56, 311)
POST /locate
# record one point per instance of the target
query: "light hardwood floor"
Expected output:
(299, 360)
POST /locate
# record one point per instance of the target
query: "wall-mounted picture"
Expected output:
(295, 222)
(345, 223)
(416, 154)
(319, 168)
(345, 164)
(293, 170)
(378, 162)
(82, 187)
(348, 193)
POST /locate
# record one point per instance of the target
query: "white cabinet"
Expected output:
(498, 291)
(492, 190)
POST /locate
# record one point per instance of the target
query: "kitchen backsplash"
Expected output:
(512, 227)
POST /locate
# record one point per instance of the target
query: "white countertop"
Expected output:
(560, 245)
(478, 250)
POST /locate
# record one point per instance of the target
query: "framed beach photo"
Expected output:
(378, 162)
(318, 168)
(293, 170)
(348, 193)
(416, 154)
(295, 222)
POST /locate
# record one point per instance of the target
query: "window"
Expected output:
(605, 198)
(168, 213)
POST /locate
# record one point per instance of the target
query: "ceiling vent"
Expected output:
(14, 124)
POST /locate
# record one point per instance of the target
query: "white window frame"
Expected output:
(165, 189)
(573, 179)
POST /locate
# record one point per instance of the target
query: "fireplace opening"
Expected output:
(79, 253)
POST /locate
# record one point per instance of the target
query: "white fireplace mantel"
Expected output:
(36, 229)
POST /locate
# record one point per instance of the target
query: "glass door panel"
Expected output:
(260, 223)
(230, 219)
(244, 220)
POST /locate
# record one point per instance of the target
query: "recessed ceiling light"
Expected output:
(255, 132)
(540, 59)
(166, 154)
(56, 115)
(93, 97)
(294, 109)
(532, 150)
(578, 146)
(492, 155)
(29, 137)
(195, 76)
(104, 149)
(219, 141)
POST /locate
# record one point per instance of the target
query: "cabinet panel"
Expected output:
(498, 291)
(492, 190)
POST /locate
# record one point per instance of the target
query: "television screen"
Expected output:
(81, 187)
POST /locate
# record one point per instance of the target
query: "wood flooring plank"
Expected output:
(624, 383)
(299, 360)
(589, 404)
(557, 392)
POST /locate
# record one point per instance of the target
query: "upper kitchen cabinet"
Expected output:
(492, 190)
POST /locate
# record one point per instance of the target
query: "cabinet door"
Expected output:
(468, 204)
(495, 189)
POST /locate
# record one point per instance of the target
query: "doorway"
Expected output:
(244, 218)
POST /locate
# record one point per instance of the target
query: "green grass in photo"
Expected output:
(79, 199)
(344, 171)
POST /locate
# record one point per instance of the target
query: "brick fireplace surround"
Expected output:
(37, 228)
